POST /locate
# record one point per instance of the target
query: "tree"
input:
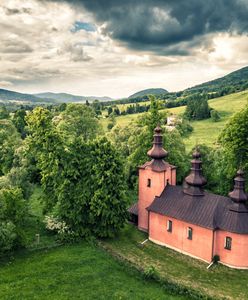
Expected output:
(197, 107)
(45, 144)
(13, 212)
(78, 121)
(4, 114)
(82, 180)
(215, 116)
(10, 140)
(97, 107)
(91, 198)
(234, 142)
(110, 110)
(19, 121)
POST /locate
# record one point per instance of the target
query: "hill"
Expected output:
(235, 81)
(156, 91)
(67, 98)
(11, 96)
(205, 131)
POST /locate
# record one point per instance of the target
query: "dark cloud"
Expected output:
(15, 11)
(159, 25)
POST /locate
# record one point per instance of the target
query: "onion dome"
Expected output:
(238, 194)
(157, 151)
(195, 180)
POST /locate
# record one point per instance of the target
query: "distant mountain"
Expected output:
(237, 80)
(155, 91)
(67, 98)
(9, 96)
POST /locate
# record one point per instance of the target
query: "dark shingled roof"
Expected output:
(134, 209)
(209, 211)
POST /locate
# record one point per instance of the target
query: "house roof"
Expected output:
(209, 210)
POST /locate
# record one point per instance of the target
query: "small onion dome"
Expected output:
(157, 151)
(195, 180)
(238, 194)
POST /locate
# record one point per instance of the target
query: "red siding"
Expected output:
(200, 246)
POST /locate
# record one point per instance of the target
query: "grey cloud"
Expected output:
(75, 51)
(157, 24)
(14, 46)
(15, 11)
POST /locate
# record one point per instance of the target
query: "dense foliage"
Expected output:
(83, 180)
(12, 219)
(197, 108)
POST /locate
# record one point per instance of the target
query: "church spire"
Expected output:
(195, 180)
(157, 151)
(238, 194)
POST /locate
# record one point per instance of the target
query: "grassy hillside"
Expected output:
(153, 91)
(218, 281)
(236, 79)
(205, 131)
(74, 272)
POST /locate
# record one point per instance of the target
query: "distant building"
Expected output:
(187, 218)
(172, 121)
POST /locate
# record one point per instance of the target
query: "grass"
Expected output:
(217, 282)
(205, 131)
(79, 271)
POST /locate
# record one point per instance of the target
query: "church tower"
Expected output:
(153, 178)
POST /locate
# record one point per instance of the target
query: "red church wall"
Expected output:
(147, 194)
(236, 257)
(200, 246)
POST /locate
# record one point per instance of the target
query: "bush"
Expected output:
(215, 116)
(184, 127)
(12, 218)
(216, 258)
(151, 273)
(7, 236)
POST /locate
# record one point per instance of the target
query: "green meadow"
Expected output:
(80, 271)
(205, 131)
(218, 282)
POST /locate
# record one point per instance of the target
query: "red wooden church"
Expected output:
(187, 218)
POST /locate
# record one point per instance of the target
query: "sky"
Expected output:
(116, 48)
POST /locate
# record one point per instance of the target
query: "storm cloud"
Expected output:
(159, 25)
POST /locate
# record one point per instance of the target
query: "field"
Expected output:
(78, 271)
(179, 268)
(49, 270)
(205, 131)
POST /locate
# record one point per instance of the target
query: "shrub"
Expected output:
(216, 258)
(12, 219)
(151, 273)
(215, 116)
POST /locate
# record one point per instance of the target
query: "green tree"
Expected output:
(234, 142)
(215, 116)
(91, 196)
(78, 121)
(10, 140)
(197, 107)
(19, 121)
(46, 146)
(13, 211)
(4, 114)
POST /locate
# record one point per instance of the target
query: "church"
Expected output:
(187, 218)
